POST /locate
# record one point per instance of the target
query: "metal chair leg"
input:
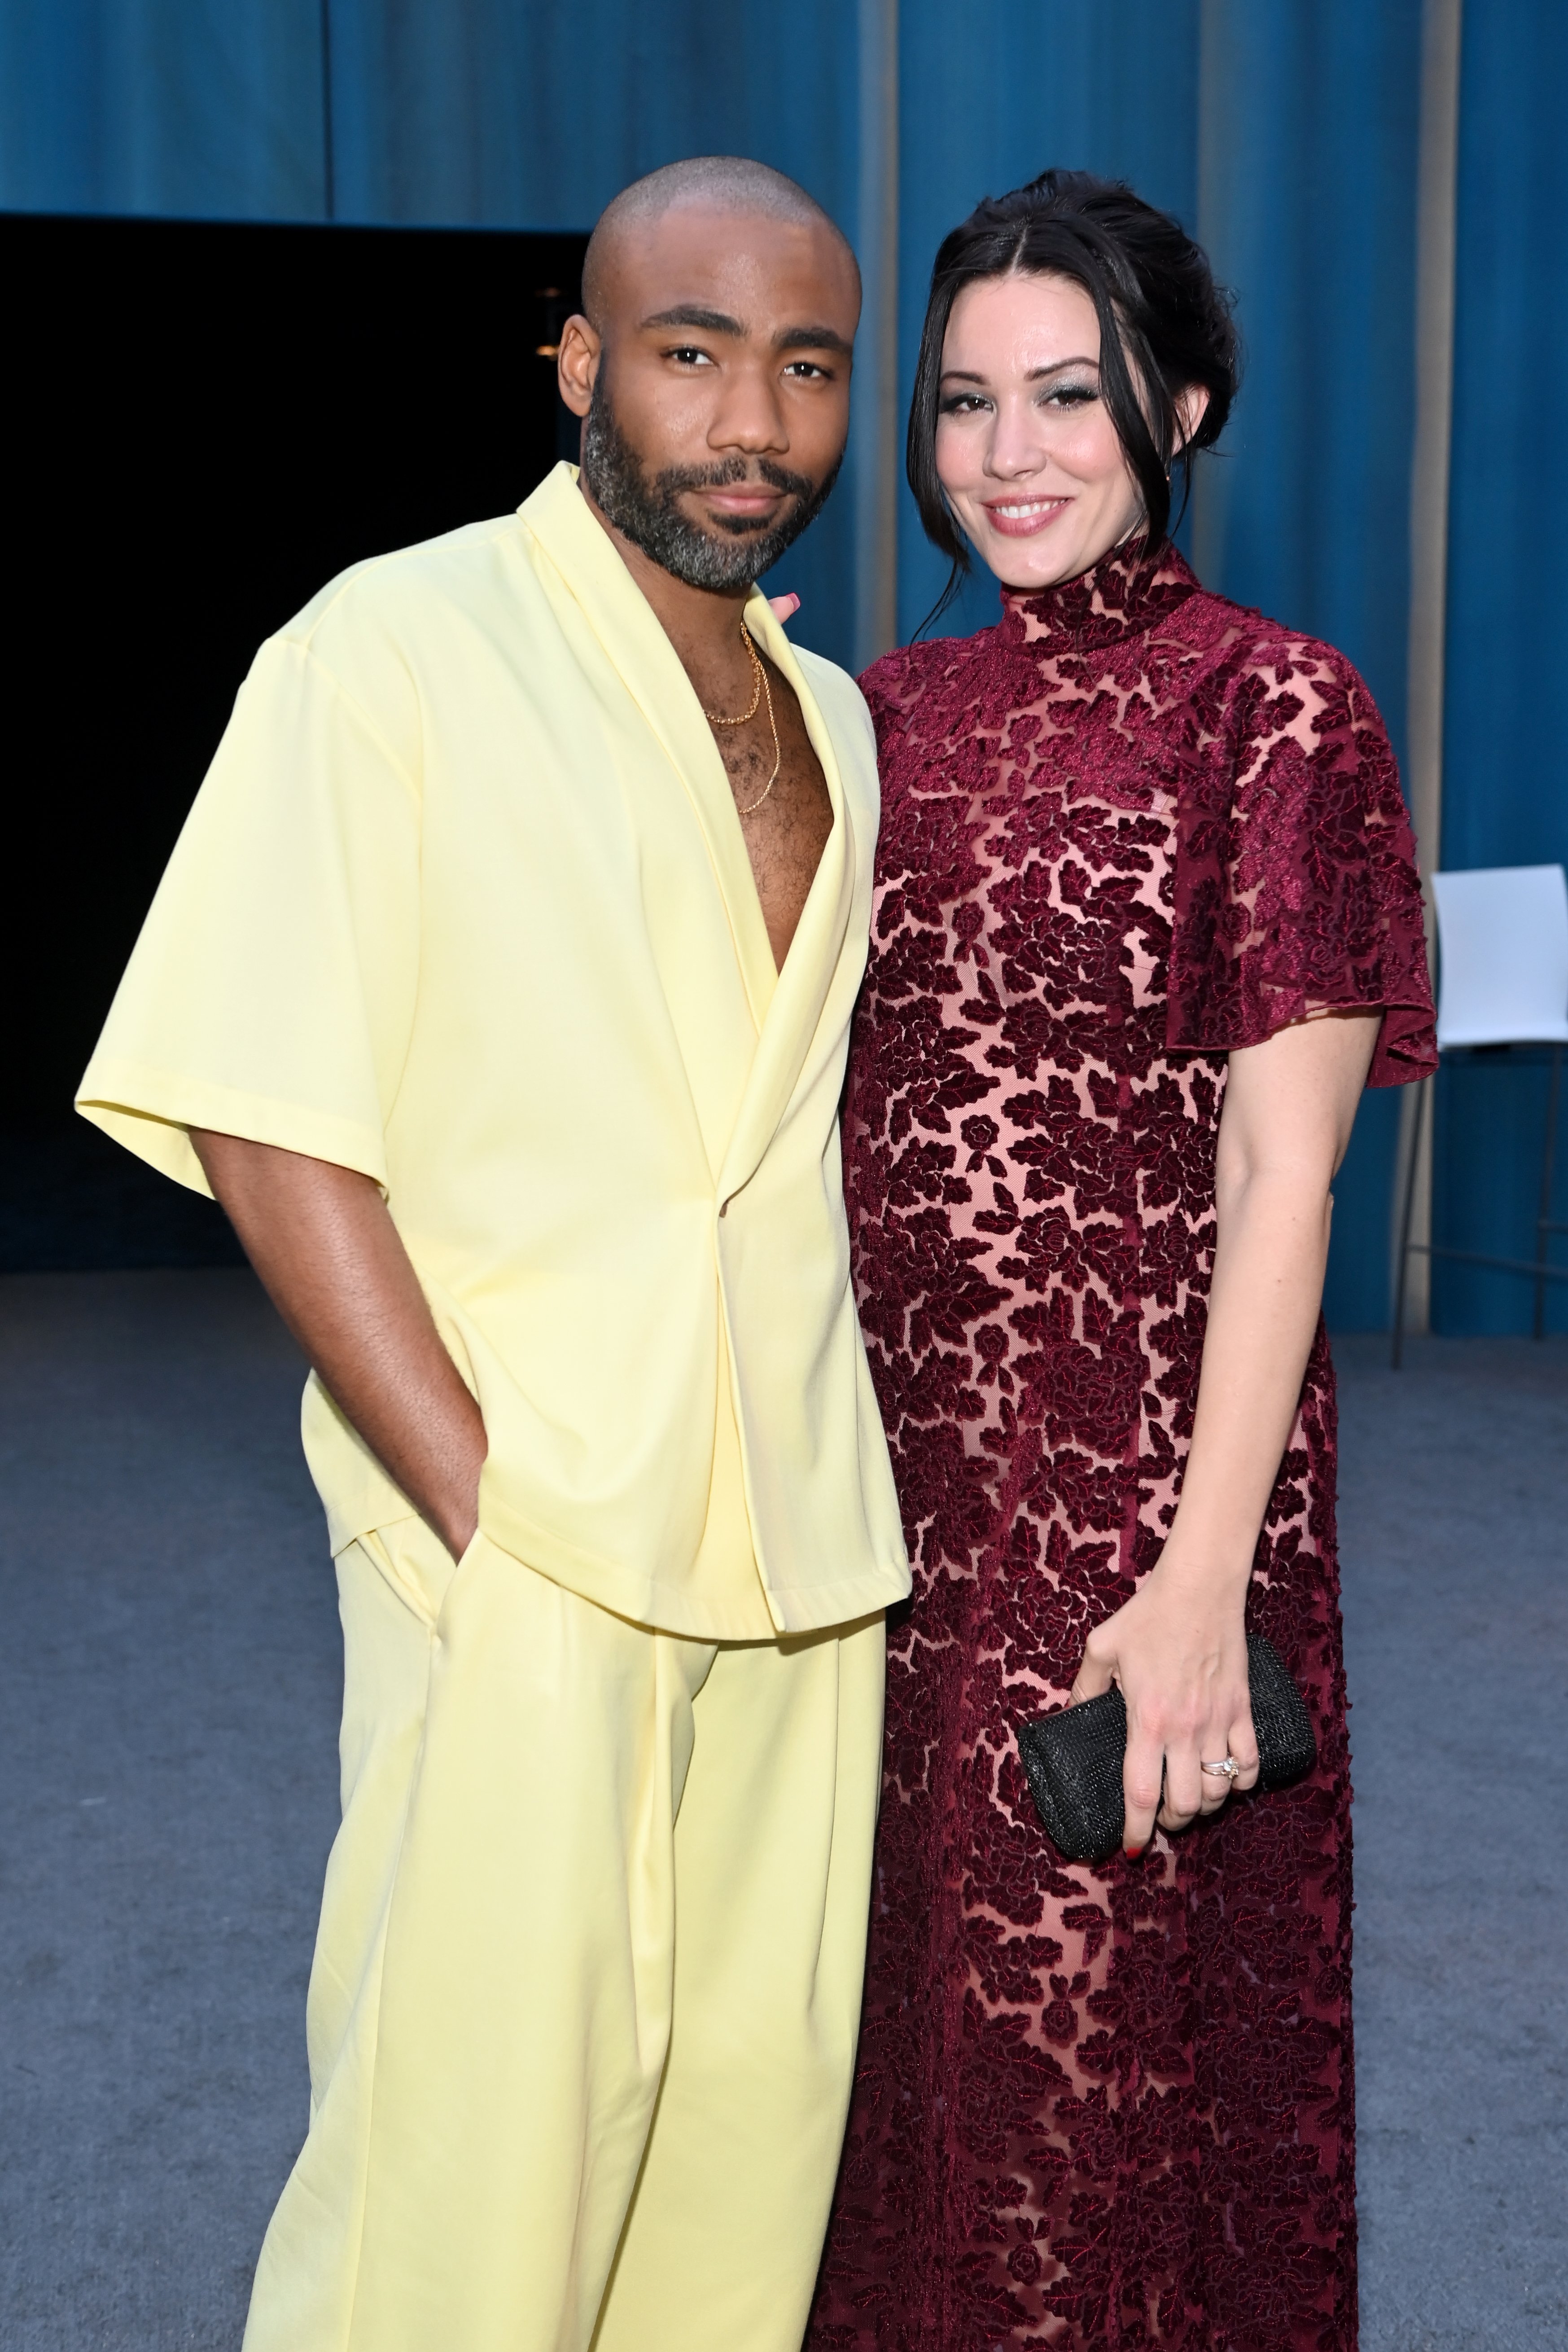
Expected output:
(1548, 1160)
(1397, 1355)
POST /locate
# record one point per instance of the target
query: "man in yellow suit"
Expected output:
(499, 987)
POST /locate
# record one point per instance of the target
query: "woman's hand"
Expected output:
(783, 607)
(1178, 1651)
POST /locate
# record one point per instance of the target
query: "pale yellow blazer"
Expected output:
(463, 903)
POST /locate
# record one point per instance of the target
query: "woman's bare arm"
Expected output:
(322, 1241)
(1179, 1647)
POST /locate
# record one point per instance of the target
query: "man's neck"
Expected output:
(702, 624)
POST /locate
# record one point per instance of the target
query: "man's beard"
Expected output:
(647, 510)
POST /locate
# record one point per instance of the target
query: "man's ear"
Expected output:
(576, 363)
(1190, 406)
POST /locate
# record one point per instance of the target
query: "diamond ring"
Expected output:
(1229, 1770)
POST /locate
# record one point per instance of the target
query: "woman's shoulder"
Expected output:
(927, 691)
(905, 675)
(1274, 678)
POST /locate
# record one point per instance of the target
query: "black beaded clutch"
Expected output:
(1073, 1759)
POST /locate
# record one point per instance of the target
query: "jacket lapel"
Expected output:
(786, 1006)
(650, 667)
(816, 950)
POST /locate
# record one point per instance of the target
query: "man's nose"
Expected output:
(750, 415)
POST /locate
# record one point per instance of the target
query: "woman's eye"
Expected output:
(964, 403)
(1072, 395)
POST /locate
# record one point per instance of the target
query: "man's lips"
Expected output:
(1022, 518)
(744, 499)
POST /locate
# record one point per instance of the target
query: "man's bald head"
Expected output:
(718, 183)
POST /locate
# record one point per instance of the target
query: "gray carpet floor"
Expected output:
(169, 1681)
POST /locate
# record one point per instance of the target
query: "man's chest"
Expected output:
(782, 801)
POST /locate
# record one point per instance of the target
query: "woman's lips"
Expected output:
(1022, 518)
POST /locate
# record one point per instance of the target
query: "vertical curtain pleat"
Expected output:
(210, 108)
(1505, 768)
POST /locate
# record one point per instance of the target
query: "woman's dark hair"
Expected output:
(1164, 325)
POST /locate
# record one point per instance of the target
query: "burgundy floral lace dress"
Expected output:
(1130, 827)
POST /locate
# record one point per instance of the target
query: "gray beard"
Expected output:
(647, 510)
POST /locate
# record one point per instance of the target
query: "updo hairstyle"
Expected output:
(1163, 324)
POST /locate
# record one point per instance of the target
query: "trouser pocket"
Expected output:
(414, 1562)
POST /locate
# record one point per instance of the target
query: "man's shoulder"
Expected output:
(412, 588)
(838, 697)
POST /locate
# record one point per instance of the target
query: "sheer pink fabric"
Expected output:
(1130, 827)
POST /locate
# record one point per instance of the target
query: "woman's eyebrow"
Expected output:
(1051, 367)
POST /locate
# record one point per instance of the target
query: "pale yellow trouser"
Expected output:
(583, 2012)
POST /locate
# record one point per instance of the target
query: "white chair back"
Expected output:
(1502, 944)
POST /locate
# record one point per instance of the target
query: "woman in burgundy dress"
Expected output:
(1146, 919)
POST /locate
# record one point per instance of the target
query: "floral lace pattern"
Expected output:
(1130, 827)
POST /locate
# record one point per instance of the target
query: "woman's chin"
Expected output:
(1063, 548)
(1030, 565)
(1029, 573)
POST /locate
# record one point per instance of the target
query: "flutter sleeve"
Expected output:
(1296, 888)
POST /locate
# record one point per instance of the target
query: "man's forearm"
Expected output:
(323, 1242)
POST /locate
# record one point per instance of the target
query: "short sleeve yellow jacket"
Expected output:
(463, 903)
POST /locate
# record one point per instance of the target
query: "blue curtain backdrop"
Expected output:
(1284, 130)
(1505, 795)
(206, 107)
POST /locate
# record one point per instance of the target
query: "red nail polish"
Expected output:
(1131, 1852)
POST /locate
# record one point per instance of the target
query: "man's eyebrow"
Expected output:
(719, 323)
(813, 339)
(692, 314)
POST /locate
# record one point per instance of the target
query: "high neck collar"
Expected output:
(1120, 597)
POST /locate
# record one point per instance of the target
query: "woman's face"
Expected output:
(1025, 446)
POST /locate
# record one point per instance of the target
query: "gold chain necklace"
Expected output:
(763, 693)
(712, 716)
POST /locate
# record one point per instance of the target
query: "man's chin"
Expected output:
(725, 528)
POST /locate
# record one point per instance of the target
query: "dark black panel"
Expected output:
(206, 422)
